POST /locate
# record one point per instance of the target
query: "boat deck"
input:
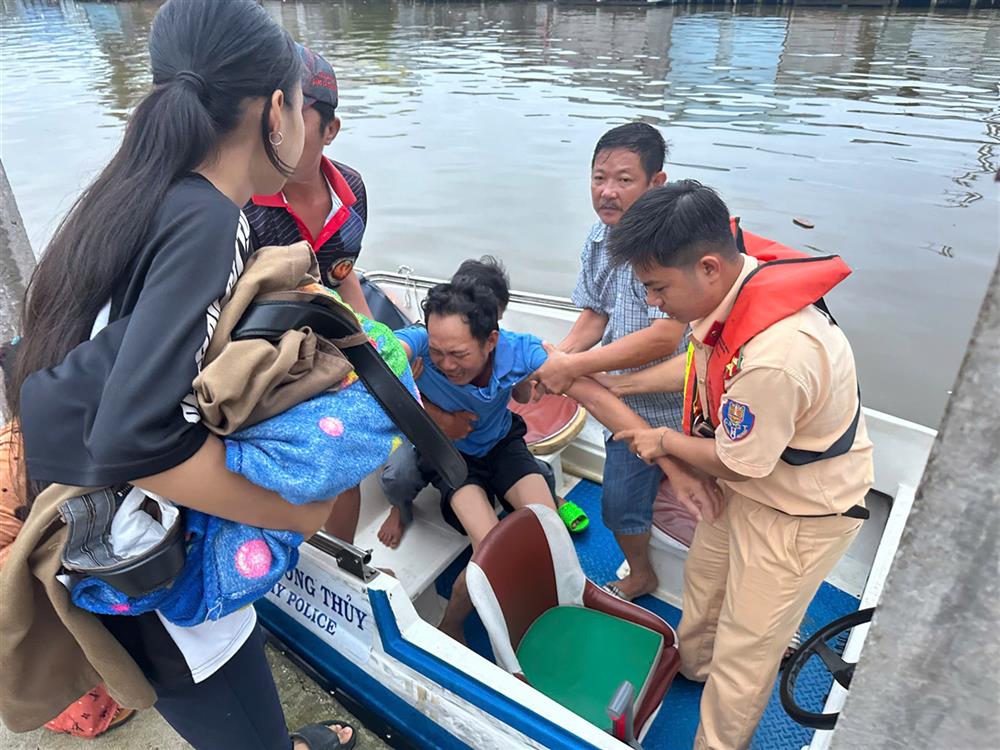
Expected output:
(674, 727)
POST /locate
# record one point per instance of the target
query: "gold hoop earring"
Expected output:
(276, 139)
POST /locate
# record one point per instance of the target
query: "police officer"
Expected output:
(772, 409)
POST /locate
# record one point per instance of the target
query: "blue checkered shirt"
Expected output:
(617, 293)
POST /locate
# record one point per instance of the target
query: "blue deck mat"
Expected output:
(675, 726)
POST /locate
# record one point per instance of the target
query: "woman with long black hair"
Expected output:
(117, 318)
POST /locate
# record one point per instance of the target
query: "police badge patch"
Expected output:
(737, 419)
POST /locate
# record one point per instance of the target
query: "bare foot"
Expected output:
(343, 733)
(391, 531)
(453, 630)
(634, 585)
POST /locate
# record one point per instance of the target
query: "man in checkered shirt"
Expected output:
(628, 161)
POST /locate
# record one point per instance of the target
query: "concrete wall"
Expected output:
(929, 676)
(16, 259)
(16, 265)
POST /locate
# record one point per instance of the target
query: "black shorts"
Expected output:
(506, 463)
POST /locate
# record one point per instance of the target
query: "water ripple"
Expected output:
(473, 126)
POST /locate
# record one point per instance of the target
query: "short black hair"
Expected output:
(641, 139)
(326, 114)
(475, 304)
(489, 272)
(673, 226)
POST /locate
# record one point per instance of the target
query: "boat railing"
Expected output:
(404, 277)
(350, 559)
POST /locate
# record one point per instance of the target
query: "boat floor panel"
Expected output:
(428, 546)
(674, 728)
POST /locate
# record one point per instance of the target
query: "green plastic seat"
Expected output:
(579, 657)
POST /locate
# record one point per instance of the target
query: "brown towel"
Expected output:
(51, 651)
(245, 382)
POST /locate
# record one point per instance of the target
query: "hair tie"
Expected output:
(196, 81)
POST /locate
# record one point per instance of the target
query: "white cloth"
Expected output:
(335, 203)
(208, 646)
(133, 530)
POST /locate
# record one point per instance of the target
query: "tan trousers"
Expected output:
(748, 580)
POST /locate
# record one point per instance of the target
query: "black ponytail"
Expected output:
(208, 59)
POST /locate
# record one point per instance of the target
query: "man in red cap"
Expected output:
(324, 202)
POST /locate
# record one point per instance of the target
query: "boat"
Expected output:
(371, 637)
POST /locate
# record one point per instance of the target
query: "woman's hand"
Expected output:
(310, 517)
(646, 444)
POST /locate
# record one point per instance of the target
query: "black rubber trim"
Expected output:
(270, 320)
(842, 671)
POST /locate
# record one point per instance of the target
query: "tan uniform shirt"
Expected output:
(796, 386)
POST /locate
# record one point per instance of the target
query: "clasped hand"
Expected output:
(556, 375)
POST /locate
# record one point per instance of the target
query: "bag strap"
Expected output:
(800, 457)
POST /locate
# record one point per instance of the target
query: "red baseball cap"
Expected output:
(319, 82)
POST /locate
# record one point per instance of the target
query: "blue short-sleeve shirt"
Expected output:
(517, 355)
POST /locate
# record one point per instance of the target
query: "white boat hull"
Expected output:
(380, 636)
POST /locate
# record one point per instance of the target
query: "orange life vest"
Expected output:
(785, 282)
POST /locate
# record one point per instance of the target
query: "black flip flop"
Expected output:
(323, 737)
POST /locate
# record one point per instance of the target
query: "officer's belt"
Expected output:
(855, 511)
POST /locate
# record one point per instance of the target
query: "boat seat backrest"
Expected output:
(526, 575)
(525, 566)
